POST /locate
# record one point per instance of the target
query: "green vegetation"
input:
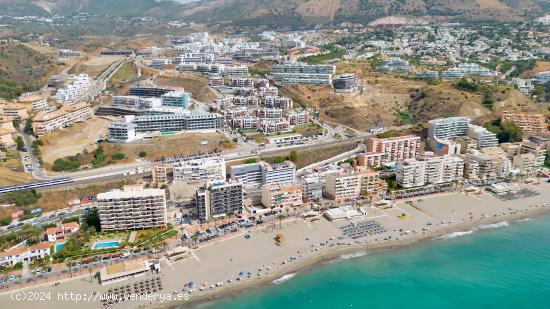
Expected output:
(488, 100)
(329, 52)
(250, 161)
(375, 60)
(390, 133)
(99, 156)
(405, 117)
(118, 156)
(467, 84)
(507, 132)
(69, 164)
(542, 92)
(142, 154)
(547, 159)
(20, 143)
(24, 197)
(28, 126)
(9, 89)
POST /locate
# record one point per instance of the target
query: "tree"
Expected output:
(20, 143)
(142, 154)
(294, 156)
(28, 126)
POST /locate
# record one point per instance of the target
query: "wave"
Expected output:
(475, 229)
(456, 234)
(524, 219)
(493, 226)
(353, 255)
(283, 278)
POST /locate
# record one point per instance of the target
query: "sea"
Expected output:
(504, 265)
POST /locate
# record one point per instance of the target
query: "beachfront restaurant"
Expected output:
(127, 270)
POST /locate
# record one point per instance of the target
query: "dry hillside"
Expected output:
(197, 85)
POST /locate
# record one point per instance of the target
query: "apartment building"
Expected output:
(528, 122)
(14, 111)
(312, 188)
(199, 170)
(484, 137)
(490, 164)
(429, 170)
(342, 185)
(236, 70)
(148, 91)
(279, 173)
(159, 174)
(395, 148)
(537, 150)
(164, 122)
(132, 209)
(371, 184)
(447, 128)
(372, 159)
(6, 133)
(80, 87)
(25, 254)
(277, 102)
(276, 196)
(219, 199)
(179, 99)
(526, 162)
(301, 73)
(46, 122)
(248, 174)
(345, 83)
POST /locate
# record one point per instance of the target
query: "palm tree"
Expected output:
(280, 217)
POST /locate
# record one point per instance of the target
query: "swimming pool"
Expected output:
(59, 246)
(106, 244)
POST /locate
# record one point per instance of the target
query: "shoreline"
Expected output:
(314, 262)
(236, 265)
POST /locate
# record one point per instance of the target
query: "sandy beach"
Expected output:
(238, 264)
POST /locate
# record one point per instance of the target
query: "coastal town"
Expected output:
(204, 163)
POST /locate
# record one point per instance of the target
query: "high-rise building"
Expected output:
(131, 209)
(219, 199)
(446, 128)
(429, 170)
(279, 173)
(342, 184)
(395, 148)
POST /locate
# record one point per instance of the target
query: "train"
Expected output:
(36, 185)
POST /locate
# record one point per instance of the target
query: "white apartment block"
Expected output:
(132, 209)
(279, 173)
(46, 122)
(429, 170)
(79, 88)
(342, 185)
(199, 170)
(447, 128)
(484, 137)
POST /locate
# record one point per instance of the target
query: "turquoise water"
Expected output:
(507, 267)
(106, 244)
(60, 246)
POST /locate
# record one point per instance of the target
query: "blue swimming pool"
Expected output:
(59, 246)
(106, 244)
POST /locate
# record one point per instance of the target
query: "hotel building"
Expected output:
(132, 209)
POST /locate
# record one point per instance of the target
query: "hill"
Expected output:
(22, 68)
(286, 13)
(303, 12)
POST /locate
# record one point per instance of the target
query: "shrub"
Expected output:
(118, 156)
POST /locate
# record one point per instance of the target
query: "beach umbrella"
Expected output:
(241, 273)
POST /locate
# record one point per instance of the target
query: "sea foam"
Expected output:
(456, 234)
(283, 278)
(493, 226)
(353, 255)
